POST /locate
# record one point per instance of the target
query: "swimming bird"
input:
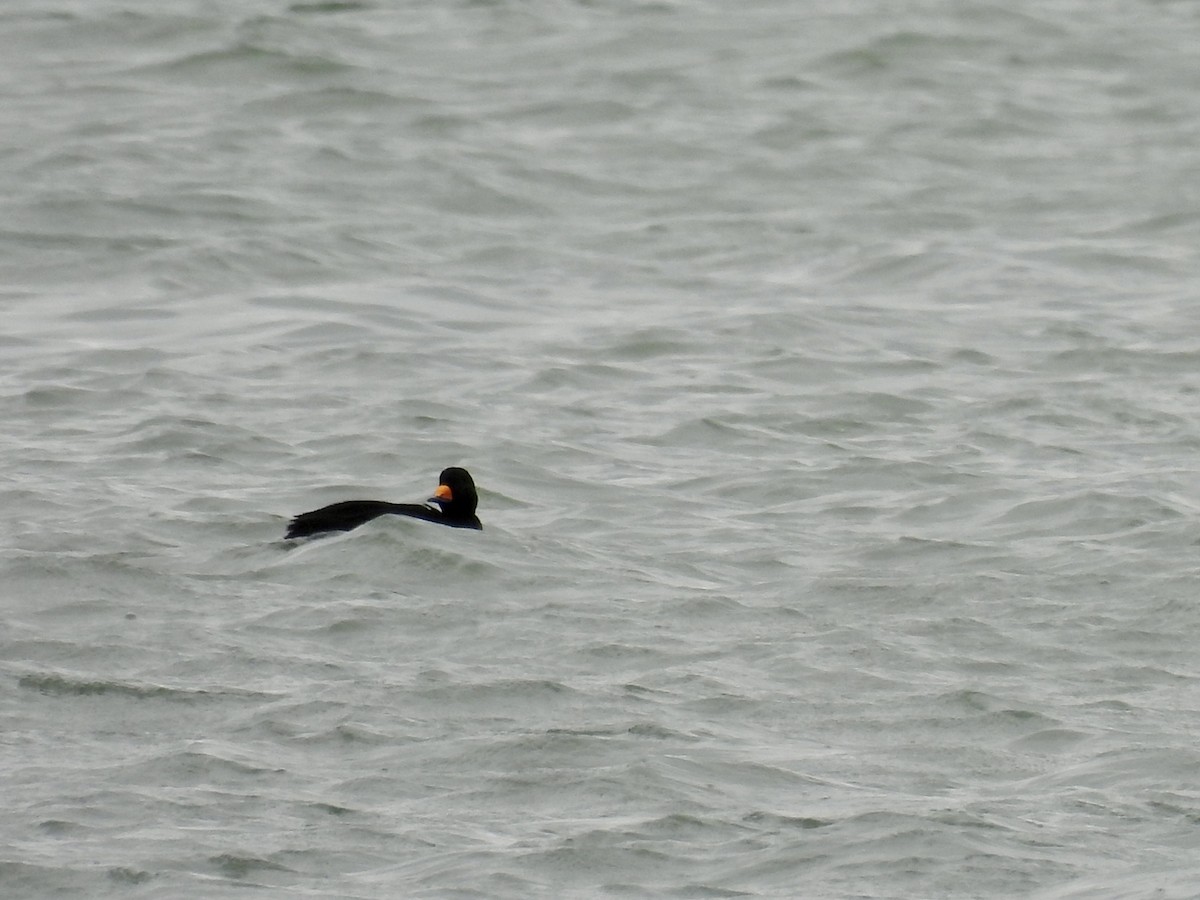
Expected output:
(455, 500)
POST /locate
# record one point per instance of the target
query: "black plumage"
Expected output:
(452, 504)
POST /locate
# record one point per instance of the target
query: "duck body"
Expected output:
(452, 504)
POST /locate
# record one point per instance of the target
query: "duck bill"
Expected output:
(443, 494)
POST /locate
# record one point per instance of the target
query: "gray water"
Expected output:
(830, 373)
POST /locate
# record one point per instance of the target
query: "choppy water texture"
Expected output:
(830, 374)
